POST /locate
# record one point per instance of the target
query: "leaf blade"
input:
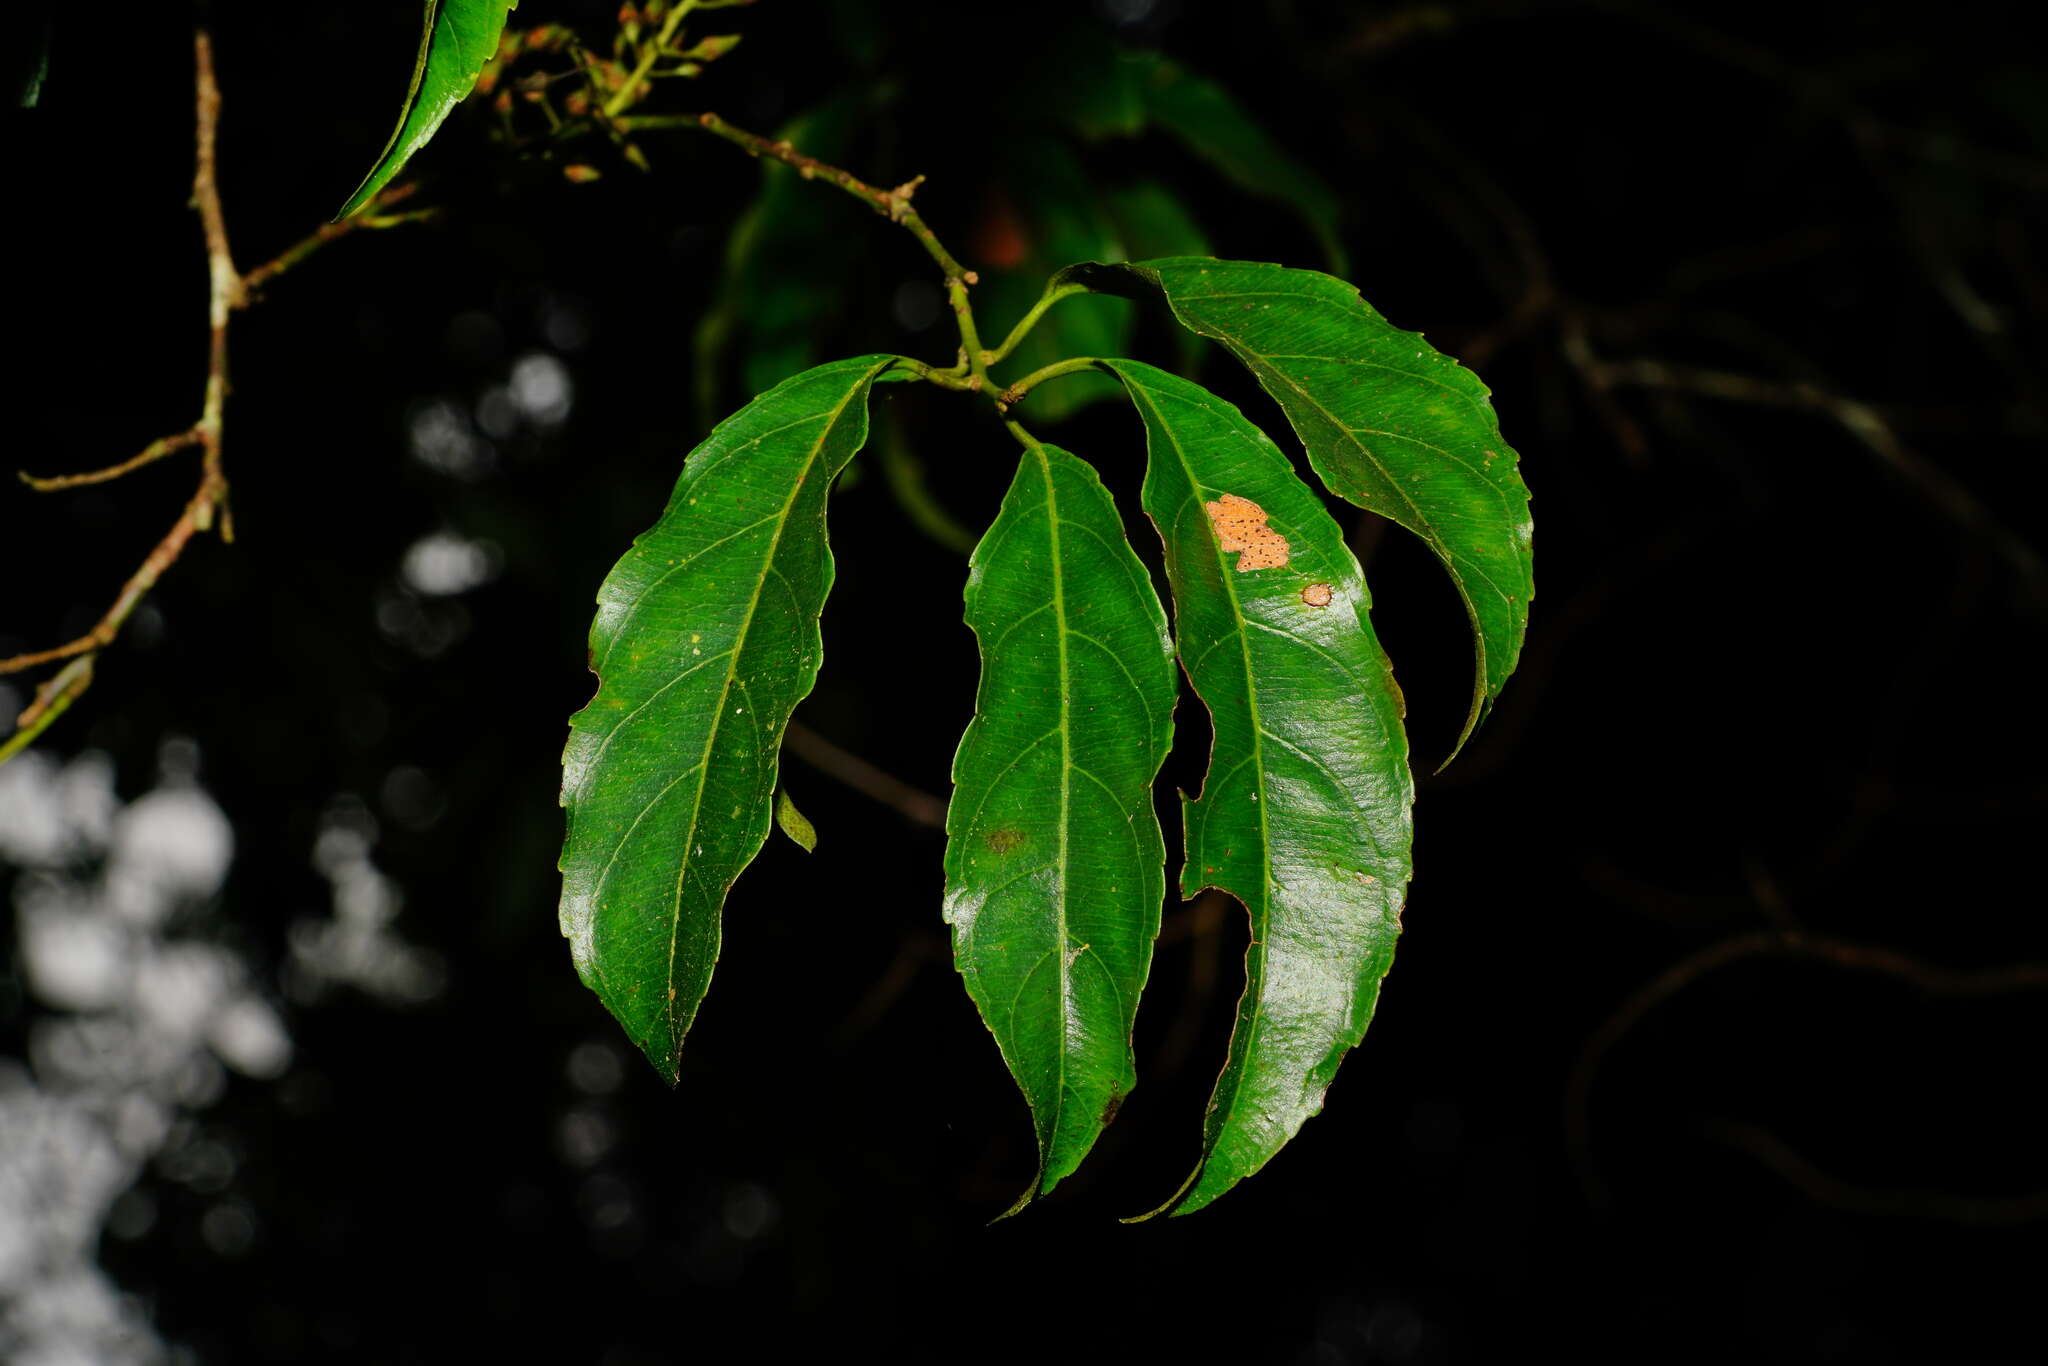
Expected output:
(1435, 461)
(1053, 927)
(706, 637)
(456, 39)
(1304, 813)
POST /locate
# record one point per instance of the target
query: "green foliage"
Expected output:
(1389, 424)
(707, 631)
(1054, 864)
(1304, 814)
(706, 637)
(456, 39)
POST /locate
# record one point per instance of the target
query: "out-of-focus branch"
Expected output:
(1826, 1189)
(1861, 421)
(1937, 981)
(857, 773)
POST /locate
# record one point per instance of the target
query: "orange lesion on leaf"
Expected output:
(1316, 595)
(1241, 527)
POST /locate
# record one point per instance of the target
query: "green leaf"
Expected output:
(706, 636)
(458, 37)
(795, 823)
(1389, 423)
(1215, 127)
(1054, 864)
(1304, 814)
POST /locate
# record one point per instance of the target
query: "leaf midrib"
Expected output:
(1256, 759)
(1066, 964)
(796, 489)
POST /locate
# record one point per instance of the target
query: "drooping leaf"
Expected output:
(1054, 864)
(1389, 423)
(1206, 117)
(1304, 813)
(706, 636)
(456, 39)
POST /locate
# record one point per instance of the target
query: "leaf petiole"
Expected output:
(1054, 292)
(1037, 377)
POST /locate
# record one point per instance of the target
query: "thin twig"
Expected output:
(153, 452)
(1843, 953)
(228, 291)
(893, 205)
(132, 592)
(1861, 421)
(1826, 1189)
(857, 773)
(262, 275)
(52, 700)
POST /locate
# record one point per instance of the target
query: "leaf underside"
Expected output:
(706, 637)
(457, 38)
(1389, 424)
(1054, 860)
(1304, 813)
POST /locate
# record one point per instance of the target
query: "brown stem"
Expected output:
(329, 232)
(860, 775)
(228, 291)
(139, 583)
(153, 452)
(893, 205)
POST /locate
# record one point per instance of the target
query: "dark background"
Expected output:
(1773, 680)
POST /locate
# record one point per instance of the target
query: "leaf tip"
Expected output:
(794, 824)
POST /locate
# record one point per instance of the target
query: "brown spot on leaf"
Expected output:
(1241, 526)
(1115, 1103)
(1316, 595)
(1004, 840)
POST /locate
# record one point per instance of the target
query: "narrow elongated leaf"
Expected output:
(1304, 814)
(706, 636)
(1389, 424)
(457, 38)
(1054, 865)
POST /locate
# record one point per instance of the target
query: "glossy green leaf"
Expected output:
(1055, 869)
(1389, 423)
(1304, 813)
(457, 38)
(1206, 117)
(706, 636)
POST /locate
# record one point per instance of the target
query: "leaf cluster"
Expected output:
(707, 632)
